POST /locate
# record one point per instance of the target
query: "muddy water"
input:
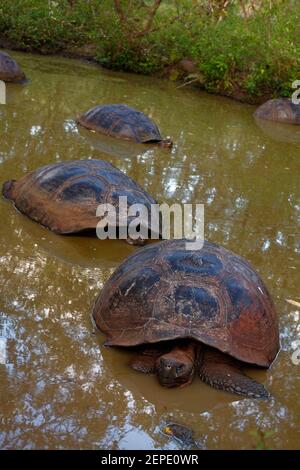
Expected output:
(58, 387)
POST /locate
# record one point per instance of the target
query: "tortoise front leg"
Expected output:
(224, 373)
(145, 361)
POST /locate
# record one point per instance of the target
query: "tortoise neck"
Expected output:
(166, 143)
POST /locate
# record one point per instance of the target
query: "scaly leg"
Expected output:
(224, 373)
(145, 361)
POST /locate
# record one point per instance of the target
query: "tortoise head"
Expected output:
(7, 189)
(136, 242)
(175, 369)
(166, 143)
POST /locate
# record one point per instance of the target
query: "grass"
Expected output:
(253, 56)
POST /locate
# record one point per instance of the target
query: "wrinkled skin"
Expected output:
(166, 143)
(135, 242)
(177, 367)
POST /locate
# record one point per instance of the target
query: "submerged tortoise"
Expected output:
(279, 110)
(10, 70)
(64, 196)
(119, 120)
(204, 311)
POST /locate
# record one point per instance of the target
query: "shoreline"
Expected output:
(178, 73)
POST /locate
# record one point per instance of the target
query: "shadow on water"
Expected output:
(114, 147)
(280, 132)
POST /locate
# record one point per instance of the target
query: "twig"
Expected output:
(148, 24)
(293, 302)
(119, 11)
(188, 83)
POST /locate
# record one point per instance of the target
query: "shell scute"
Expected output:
(51, 179)
(195, 303)
(83, 190)
(240, 297)
(206, 264)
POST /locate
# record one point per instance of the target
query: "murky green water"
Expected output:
(58, 388)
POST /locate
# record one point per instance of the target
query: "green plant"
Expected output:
(249, 47)
(261, 438)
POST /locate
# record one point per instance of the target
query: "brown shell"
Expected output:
(64, 196)
(164, 292)
(279, 110)
(10, 70)
(119, 120)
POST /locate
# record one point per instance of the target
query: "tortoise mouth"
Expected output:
(175, 382)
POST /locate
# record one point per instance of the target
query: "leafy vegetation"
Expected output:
(249, 49)
(261, 439)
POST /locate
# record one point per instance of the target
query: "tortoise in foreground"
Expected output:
(64, 196)
(119, 120)
(204, 311)
(10, 70)
(279, 110)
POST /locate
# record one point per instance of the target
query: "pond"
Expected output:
(59, 388)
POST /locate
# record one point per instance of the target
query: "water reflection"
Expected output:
(280, 132)
(58, 387)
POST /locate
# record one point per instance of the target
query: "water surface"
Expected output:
(58, 387)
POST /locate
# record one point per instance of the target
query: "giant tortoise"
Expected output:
(10, 71)
(279, 110)
(64, 196)
(119, 120)
(204, 311)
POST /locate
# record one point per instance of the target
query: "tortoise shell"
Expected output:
(164, 292)
(9, 69)
(119, 120)
(279, 110)
(64, 196)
